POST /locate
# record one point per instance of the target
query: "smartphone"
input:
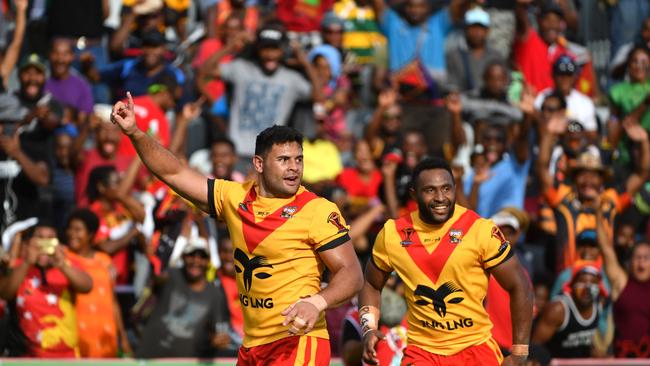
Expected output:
(48, 246)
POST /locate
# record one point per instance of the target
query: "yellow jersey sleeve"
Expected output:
(495, 249)
(328, 228)
(218, 190)
(379, 253)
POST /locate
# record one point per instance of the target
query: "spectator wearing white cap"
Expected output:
(467, 61)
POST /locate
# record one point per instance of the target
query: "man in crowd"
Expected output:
(444, 254)
(281, 234)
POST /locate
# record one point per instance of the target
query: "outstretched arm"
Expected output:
(615, 273)
(512, 277)
(13, 51)
(160, 161)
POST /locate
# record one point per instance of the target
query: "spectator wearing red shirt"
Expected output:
(107, 139)
(43, 283)
(362, 181)
(150, 112)
(535, 52)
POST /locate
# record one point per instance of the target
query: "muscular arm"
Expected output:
(549, 323)
(161, 162)
(346, 279)
(546, 141)
(511, 276)
(79, 280)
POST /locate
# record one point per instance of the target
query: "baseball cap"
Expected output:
(147, 6)
(565, 65)
(270, 38)
(196, 244)
(33, 60)
(505, 218)
(550, 6)
(103, 111)
(153, 38)
(587, 237)
(331, 20)
(477, 16)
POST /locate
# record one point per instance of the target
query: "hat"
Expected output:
(587, 237)
(551, 7)
(590, 267)
(147, 7)
(194, 244)
(33, 60)
(505, 218)
(565, 65)
(330, 19)
(477, 16)
(103, 111)
(270, 38)
(590, 161)
(153, 38)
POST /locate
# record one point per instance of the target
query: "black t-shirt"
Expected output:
(19, 196)
(76, 18)
(183, 320)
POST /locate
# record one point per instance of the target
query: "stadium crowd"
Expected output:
(541, 107)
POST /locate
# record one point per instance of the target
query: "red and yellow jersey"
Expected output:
(444, 268)
(276, 243)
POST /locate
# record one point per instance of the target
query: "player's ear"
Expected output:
(258, 163)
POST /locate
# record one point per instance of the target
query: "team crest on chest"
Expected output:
(455, 236)
(408, 231)
(288, 211)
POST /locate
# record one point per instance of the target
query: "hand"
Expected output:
(237, 42)
(58, 258)
(557, 125)
(10, 145)
(21, 5)
(370, 340)
(192, 110)
(389, 168)
(635, 131)
(387, 98)
(481, 175)
(453, 103)
(527, 103)
(221, 340)
(514, 361)
(300, 55)
(86, 59)
(301, 317)
(458, 171)
(124, 117)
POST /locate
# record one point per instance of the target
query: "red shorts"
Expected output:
(487, 354)
(290, 351)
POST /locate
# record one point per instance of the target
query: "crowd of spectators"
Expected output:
(541, 106)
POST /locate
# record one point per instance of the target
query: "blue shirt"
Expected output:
(506, 186)
(403, 40)
(131, 75)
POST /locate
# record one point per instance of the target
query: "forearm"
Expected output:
(120, 36)
(359, 227)
(521, 147)
(644, 160)
(457, 132)
(79, 280)
(370, 298)
(390, 193)
(179, 137)
(13, 51)
(521, 310)
(135, 208)
(521, 20)
(13, 281)
(111, 247)
(160, 161)
(473, 195)
(38, 173)
(614, 131)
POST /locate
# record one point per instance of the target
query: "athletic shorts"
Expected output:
(484, 354)
(290, 351)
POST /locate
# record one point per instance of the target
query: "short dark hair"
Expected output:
(429, 163)
(90, 220)
(556, 94)
(98, 175)
(276, 135)
(224, 140)
(42, 222)
(165, 81)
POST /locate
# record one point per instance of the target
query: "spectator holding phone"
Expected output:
(42, 285)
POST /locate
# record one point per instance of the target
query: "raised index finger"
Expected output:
(130, 100)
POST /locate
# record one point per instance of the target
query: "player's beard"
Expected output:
(426, 214)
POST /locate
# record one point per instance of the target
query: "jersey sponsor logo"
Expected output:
(335, 219)
(455, 236)
(288, 211)
(408, 231)
(249, 265)
(437, 297)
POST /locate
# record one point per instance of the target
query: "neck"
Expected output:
(63, 75)
(154, 69)
(86, 251)
(477, 51)
(198, 285)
